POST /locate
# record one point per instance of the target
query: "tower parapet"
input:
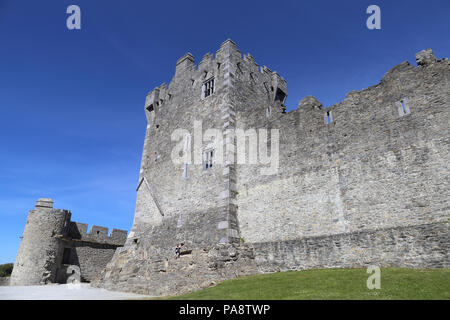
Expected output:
(41, 249)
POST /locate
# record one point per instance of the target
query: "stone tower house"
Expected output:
(362, 182)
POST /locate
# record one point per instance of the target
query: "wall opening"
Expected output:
(280, 95)
(328, 117)
(403, 107)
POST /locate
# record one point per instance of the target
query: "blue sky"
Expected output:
(72, 118)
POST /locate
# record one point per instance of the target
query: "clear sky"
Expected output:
(72, 120)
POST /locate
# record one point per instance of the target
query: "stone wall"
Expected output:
(91, 251)
(362, 182)
(368, 169)
(151, 270)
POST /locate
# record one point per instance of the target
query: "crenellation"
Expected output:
(184, 65)
(207, 59)
(79, 231)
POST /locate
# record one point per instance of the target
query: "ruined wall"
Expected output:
(91, 251)
(368, 169)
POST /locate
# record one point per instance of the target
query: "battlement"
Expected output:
(98, 234)
(189, 78)
(79, 231)
(398, 83)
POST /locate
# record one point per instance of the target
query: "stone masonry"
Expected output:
(362, 182)
(56, 250)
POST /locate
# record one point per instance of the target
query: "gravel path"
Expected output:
(63, 292)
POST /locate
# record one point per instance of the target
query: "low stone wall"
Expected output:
(4, 281)
(419, 246)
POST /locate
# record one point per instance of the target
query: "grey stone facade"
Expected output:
(55, 249)
(362, 182)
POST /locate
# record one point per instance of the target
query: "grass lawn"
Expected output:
(396, 283)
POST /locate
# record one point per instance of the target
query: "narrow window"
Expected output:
(208, 159)
(280, 95)
(238, 65)
(328, 117)
(185, 171)
(208, 88)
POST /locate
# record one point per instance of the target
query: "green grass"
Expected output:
(6, 269)
(331, 284)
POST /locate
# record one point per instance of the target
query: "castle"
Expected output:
(363, 182)
(55, 249)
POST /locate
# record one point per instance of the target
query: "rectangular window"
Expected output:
(208, 159)
(403, 107)
(328, 117)
(208, 88)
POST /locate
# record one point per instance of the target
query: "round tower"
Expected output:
(41, 249)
